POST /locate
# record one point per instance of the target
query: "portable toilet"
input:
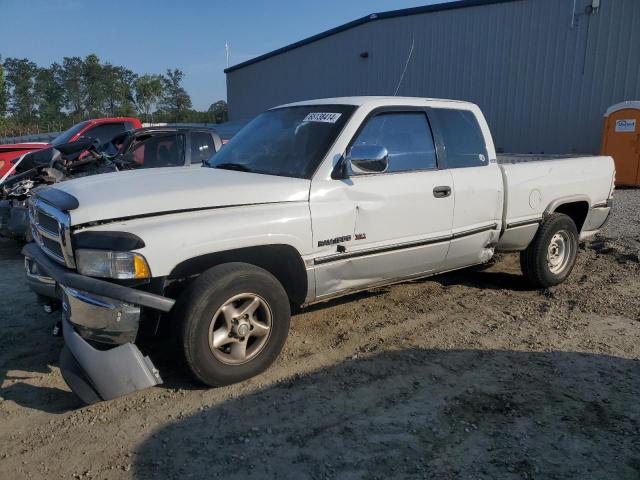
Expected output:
(621, 140)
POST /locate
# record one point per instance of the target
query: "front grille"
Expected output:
(50, 223)
(53, 247)
(50, 230)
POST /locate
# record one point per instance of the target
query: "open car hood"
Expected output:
(130, 194)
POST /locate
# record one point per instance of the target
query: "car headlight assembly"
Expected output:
(109, 264)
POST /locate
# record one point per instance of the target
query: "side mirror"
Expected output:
(363, 159)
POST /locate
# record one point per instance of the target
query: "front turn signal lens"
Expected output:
(140, 267)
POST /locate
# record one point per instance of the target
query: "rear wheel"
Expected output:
(234, 323)
(550, 257)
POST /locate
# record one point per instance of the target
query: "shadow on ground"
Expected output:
(419, 414)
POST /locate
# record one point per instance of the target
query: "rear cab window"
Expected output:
(165, 150)
(464, 143)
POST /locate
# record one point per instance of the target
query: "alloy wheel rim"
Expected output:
(559, 252)
(240, 328)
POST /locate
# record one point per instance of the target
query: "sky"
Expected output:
(153, 35)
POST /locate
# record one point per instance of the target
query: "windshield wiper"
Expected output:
(233, 166)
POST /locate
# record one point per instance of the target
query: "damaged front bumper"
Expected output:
(100, 323)
(41, 283)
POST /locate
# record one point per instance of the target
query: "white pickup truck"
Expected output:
(309, 201)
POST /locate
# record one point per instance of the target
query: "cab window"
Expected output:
(159, 151)
(407, 138)
(462, 137)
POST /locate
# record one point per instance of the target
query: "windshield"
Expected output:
(65, 137)
(288, 142)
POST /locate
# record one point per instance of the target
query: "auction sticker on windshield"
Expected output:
(322, 117)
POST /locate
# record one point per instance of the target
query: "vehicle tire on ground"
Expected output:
(234, 321)
(551, 255)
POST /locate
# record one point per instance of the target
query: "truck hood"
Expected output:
(120, 195)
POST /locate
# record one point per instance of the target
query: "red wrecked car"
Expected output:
(102, 129)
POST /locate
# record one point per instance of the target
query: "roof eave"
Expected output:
(440, 7)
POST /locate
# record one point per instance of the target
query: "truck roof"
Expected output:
(113, 119)
(378, 100)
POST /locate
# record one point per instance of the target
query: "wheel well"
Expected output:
(282, 261)
(576, 210)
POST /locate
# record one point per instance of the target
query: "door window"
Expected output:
(202, 147)
(407, 138)
(463, 140)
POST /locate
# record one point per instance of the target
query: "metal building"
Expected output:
(543, 71)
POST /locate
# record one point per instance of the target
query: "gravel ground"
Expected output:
(465, 375)
(625, 219)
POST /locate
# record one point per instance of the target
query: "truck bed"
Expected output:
(533, 182)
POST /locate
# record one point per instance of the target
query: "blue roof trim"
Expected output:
(369, 18)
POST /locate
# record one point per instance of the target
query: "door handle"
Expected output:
(442, 191)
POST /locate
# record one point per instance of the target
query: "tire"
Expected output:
(551, 255)
(213, 306)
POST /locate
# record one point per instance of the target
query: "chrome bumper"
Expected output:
(597, 218)
(101, 319)
(41, 283)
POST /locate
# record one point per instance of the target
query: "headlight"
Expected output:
(108, 264)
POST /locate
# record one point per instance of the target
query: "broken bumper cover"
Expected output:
(96, 375)
(106, 312)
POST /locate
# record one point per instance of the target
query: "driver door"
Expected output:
(371, 228)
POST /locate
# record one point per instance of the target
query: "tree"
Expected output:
(149, 90)
(3, 92)
(32, 97)
(176, 100)
(19, 77)
(118, 84)
(73, 84)
(49, 92)
(220, 111)
(93, 83)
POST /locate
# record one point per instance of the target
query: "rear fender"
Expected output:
(575, 206)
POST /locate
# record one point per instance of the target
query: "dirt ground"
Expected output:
(470, 375)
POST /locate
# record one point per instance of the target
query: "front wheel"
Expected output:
(551, 255)
(234, 323)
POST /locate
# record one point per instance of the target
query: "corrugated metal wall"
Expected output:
(542, 83)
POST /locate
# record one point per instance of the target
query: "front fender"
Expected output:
(172, 239)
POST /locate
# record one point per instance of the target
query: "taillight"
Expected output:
(1, 164)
